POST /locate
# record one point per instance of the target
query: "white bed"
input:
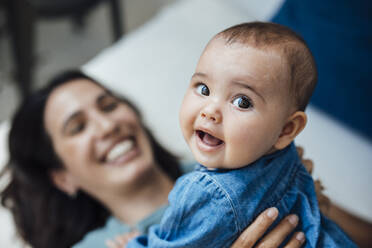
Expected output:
(153, 65)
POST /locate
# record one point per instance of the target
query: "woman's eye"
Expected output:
(243, 102)
(202, 89)
(77, 128)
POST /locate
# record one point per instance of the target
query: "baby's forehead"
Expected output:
(220, 44)
(269, 61)
(264, 69)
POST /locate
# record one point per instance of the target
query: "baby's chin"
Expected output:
(221, 159)
(206, 161)
(212, 162)
(218, 164)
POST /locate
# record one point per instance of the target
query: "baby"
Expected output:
(243, 109)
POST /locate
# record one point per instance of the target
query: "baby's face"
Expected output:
(236, 105)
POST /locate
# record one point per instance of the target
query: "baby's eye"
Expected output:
(202, 89)
(242, 102)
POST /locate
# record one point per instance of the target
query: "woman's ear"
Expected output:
(64, 181)
(294, 125)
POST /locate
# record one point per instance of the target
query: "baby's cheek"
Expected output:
(242, 136)
(188, 116)
(186, 126)
(238, 147)
(247, 145)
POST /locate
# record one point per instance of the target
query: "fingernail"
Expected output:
(300, 237)
(272, 213)
(293, 219)
(109, 243)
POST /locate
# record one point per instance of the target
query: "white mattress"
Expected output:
(153, 65)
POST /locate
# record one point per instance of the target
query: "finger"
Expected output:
(296, 241)
(280, 232)
(111, 244)
(300, 151)
(308, 165)
(133, 234)
(121, 240)
(255, 231)
(318, 185)
(129, 236)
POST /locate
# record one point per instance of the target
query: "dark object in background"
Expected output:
(339, 35)
(22, 16)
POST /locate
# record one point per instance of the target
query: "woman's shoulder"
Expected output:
(114, 227)
(98, 237)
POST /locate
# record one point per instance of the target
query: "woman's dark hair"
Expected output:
(45, 216)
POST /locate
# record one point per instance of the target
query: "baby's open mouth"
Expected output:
(208, 139)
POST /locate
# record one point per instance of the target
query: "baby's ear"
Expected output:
(294, 125)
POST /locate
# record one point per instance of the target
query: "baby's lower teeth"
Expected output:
(210, 140)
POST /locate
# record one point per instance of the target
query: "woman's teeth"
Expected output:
(119, 149)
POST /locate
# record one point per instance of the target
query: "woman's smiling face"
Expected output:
(99, 139)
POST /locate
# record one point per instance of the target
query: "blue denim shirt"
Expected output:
(211, 208)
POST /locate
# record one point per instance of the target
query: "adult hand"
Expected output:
(256, 230)
(121, 241)
(323, 201)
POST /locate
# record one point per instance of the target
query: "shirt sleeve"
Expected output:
(200, 214)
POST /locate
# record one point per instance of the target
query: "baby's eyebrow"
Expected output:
(199, 74)
(244, 85)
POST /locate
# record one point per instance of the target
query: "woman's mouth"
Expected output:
(207, 142)
(122, 151)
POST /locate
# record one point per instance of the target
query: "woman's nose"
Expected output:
(211, 112)
(105, 126)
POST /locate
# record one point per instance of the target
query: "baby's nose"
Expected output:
(211, 113)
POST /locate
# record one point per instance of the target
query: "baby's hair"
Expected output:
(265, 36)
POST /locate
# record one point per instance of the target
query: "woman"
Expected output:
(80, 155)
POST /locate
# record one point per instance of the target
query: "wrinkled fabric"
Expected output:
(211, 208)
